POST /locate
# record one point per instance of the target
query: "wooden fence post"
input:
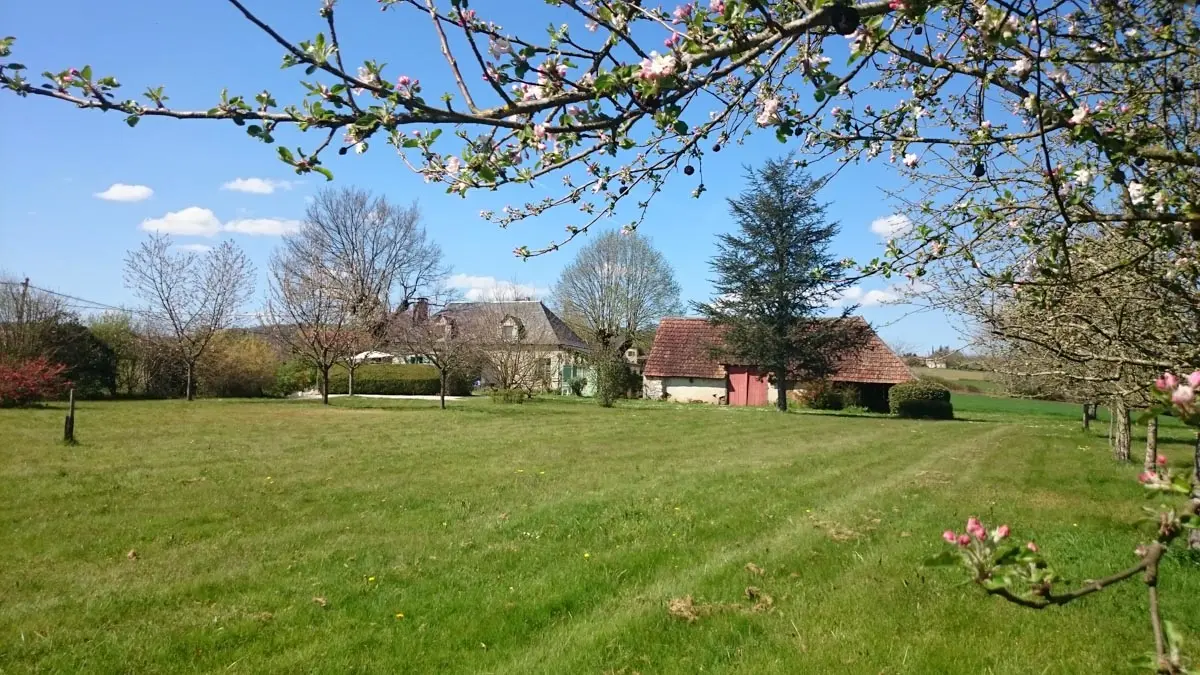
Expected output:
(69, 422)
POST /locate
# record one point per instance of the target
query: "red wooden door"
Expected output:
(746, 386)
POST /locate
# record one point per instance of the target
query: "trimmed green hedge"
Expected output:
(397, 380)
(921, 399)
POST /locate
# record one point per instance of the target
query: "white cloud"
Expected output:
(857, 295)
(194, 248)
(271, 227)
(195, 221)
(192, 221)
(477, 288)
(120, 192)
(891, 226)
(895, 294)
(258, 186)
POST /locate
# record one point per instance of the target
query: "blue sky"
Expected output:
(56, 230)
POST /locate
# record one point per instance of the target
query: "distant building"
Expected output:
(935, 362)
(682, 366)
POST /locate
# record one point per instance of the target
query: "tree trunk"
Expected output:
(1124, 440)
(325, 385)
(1194, 535)
(350, 385)
(442, 397)
(1151, 459)
(188, 387)
(1086, 417)
(781, 390)
(1112, 426)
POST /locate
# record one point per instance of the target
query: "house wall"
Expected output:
(558, 358)
(685, 389)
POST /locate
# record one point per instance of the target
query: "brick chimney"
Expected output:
(420, 311)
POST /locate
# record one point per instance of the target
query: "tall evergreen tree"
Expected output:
(776, 279)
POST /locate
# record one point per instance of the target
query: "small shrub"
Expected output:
(30, 381)
(577, 385)
(851, 396)
(507, 395)
(822, 395)
(920, 399)
(826, 398)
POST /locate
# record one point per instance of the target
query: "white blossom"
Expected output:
(769, 113)
(910, 160)
(1022, 67)
(1137, 192)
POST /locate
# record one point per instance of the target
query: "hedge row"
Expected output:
(920, 399)
(397, 380)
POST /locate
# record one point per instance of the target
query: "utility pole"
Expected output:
(24, 299)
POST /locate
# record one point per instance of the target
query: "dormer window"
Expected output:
(511, 329)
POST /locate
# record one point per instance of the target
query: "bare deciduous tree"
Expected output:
(189, 296)
(447, 343)
(616, 290)
(377, 254)
(305, 315)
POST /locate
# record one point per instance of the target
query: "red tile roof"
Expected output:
(683, 347)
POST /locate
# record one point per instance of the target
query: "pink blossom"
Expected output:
(403, 81)
(682, 13)
(452, 165)
(466, 17)
(671, 41)
(1002, 532)
(769, 112)
(1081, 114)
(963, 540)
(1147, 476)
(950, 536)
(1161, 460)
(1032, 546)
(1183, 396)
(898, 5)
(657, 67)
(976, 528)
(717, 6)
(1193, 380)
(1166, 382)
(539, 131)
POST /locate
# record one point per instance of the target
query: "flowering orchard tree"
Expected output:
(616, 97)
(1020, 573)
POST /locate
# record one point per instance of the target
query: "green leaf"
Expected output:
(681, 127)
(254, 130)
(286, 155)
(1008, 555)
(411, 143)
(604, 83)
(942, 559)
(86, 73)
(324, 172)
(15, 66)
(819, 95)
(434, 134)
(133, 120)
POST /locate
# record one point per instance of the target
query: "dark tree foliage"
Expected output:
(91, 365)
(776, 279)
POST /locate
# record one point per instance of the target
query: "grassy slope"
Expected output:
(549, 537)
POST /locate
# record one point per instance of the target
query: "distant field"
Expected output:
(550, 537)
(984, 381)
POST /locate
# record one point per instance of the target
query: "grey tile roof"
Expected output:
(542, 326)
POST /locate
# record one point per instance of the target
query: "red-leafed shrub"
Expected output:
(29, 381)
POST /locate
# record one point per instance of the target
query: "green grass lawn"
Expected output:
(550, 537)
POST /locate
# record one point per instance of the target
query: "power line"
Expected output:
(85, 304)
